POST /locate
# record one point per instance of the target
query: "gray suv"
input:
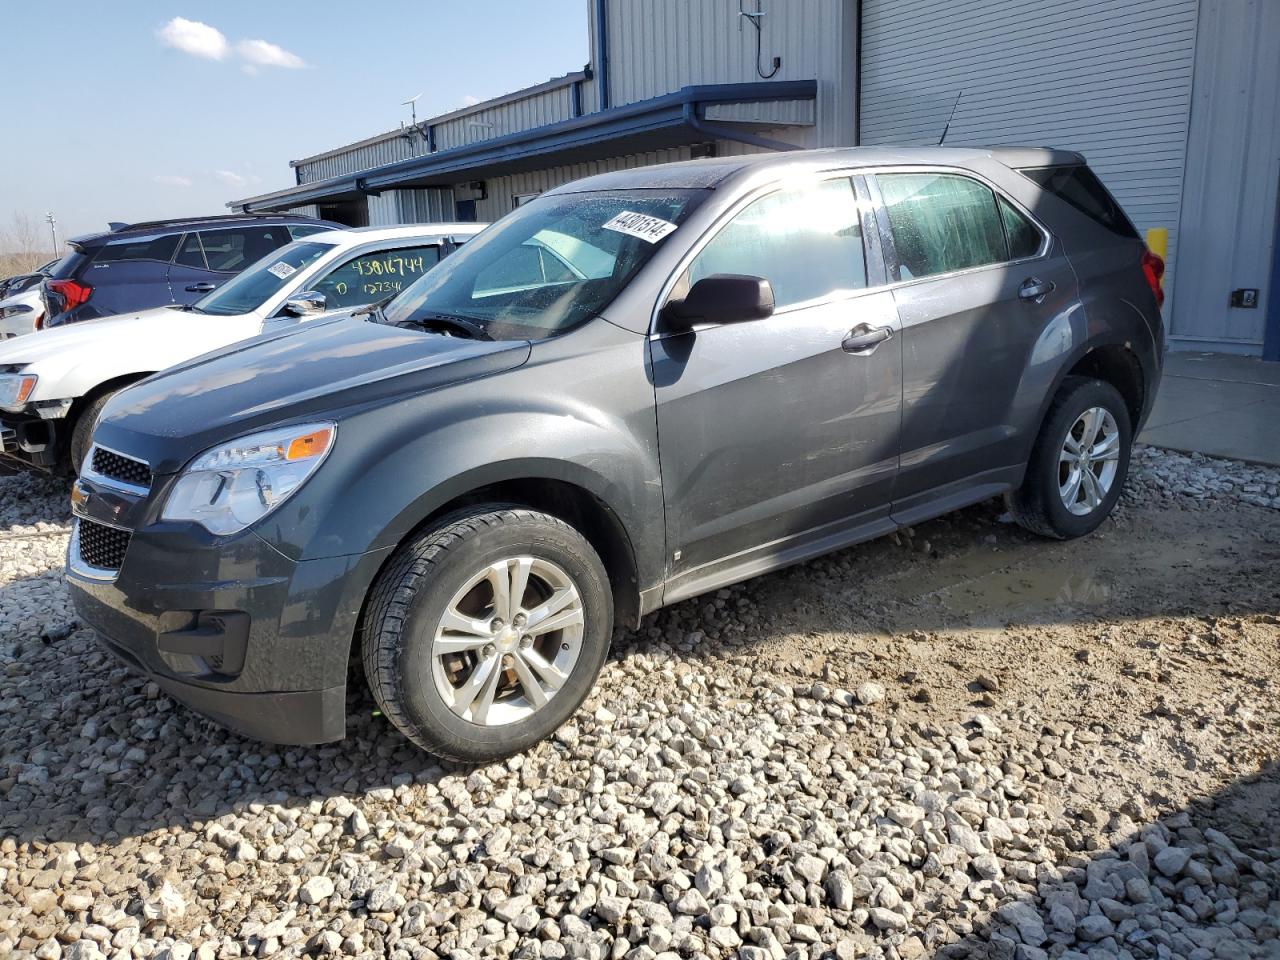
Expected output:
(637, 388)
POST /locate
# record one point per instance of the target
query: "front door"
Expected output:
(779, 436)
(980, 285)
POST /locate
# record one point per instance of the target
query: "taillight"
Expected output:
(73, 294)
(1153, 270)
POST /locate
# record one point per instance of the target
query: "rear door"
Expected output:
(223, 252)
(129, 274)
(979, 283)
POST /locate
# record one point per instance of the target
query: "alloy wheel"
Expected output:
(1089, 461)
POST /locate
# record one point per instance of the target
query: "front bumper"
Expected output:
(228, 626)
(31, 440)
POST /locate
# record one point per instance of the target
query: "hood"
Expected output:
(88, 335)
(317, 370)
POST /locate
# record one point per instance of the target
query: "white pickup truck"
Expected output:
(54, 383)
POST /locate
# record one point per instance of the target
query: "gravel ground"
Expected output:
(957, 741)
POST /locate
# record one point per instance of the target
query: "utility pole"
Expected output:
(53, 230)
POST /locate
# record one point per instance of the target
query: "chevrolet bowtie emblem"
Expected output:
(79, 496)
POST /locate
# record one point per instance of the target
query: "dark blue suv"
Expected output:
(142, 265)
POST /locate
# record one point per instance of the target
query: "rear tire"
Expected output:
(82, 432)
(456, 644)
(1079, 462)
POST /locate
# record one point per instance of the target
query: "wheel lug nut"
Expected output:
(489, 650)
(496, 624)
(521, 620)
(526, 643)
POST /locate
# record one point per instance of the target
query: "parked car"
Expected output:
(632, 390)
(11, 286)
(21, 313)
(65, 376)
(159, 262)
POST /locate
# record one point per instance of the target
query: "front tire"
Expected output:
(82, 432)
(1078, 464)
(486, 632)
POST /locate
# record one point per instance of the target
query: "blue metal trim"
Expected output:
(602, 53)
(667, 112)
(1271, 328)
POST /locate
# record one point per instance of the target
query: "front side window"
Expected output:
(249, 290)
(941, 223)
(550, 265)
(138, 248)
(376, 275)
(806, 241)
(232, 250)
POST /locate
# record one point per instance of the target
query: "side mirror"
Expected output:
(307, 303)
(721, 298)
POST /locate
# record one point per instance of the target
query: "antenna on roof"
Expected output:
(412, 104)
(950, 118)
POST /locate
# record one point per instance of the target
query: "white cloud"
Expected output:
(233, 179)
(263, 54)
(171, 180)
(196, 38)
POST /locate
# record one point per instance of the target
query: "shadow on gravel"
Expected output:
(1203, 882)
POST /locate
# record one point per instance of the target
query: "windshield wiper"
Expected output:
(468, 326)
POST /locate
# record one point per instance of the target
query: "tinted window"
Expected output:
(251, 289)
(300, 230)
(1024, 237)
(807, 242)
(601, 238)
(67, 267)
(138, 248)
(233, 250)
(1078, 186)
(373, 276)
(941, 223)
(190, 253)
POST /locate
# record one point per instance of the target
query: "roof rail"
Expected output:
(116, 227)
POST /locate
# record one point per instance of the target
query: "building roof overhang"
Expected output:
(673, 120)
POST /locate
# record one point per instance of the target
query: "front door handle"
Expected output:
(1033, 288)
(864, 338)
(204, 286)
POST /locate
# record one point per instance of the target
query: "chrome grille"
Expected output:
(101, 546)
(116, 466)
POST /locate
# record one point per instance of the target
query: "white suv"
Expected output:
(54, 383)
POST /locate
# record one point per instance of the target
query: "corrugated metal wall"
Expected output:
(1110, 78)
(526, 113)
(430, 205)
(659, 46)
(400, 147)
(1233, 160)
(306, 210)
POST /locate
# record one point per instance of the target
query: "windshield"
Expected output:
(550, 265)
(258, 283)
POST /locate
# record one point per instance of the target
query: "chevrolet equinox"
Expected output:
(634, 389)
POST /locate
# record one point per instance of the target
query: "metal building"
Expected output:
(1173, 102)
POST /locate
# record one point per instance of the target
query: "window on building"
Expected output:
(138, 248)
(373, 276)
(1024, 237)
(806, 241)
(941, 223)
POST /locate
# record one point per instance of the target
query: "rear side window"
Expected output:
(230, 251)
(941, 223)
(806, 241)
(1024, 239)
(1078, 186)
(159, 248)
(190, 253)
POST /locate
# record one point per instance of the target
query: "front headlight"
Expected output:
(229, 487)
(15, 388)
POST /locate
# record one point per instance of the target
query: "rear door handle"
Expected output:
(1033, 288)
(864, 338)
(204, 286)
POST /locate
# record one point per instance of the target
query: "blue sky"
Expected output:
(130, 111)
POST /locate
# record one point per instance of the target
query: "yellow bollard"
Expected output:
(1158, 241)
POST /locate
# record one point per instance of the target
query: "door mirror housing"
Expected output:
(307, 303)
(720, 298)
